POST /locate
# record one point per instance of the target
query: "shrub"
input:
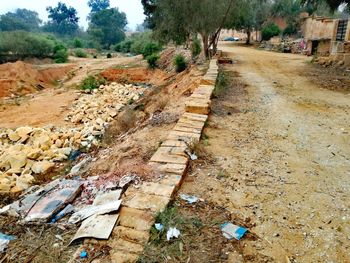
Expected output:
(290, 30)
(77, 43)
(61, 56)
(150, 48)
(124, 46)
(180, 63)
(80, 53)
(152, 60)
(196, 48)
(269, 31)
(92, 82)
(109, 55)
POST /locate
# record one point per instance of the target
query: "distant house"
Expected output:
(327, 37)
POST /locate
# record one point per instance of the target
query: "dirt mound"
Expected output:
(166, 61)
(20, 78)
(135, 75)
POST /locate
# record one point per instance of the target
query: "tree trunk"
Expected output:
(205, 45)
(249, 32)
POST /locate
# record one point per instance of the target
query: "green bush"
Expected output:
(150, 48)
(290, 30)
(92, 82)
(180, 63)
(124, 46)
(196, 48)
(269, 31)
(109, 55)
(77, 43)
(80, 53)
(152, 60)
(61, 56)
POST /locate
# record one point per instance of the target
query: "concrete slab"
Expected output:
(172, 180)
(185, 136)
(174, 143)
(183, 128)
(195, 117)
(170, 155)
(135, 218)
(198, 106)
(144, 201)
(157, 189)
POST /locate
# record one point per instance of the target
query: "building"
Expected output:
(327, 37)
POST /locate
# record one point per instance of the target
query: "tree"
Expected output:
(98, 5)
(178, 20)
(63, 20)
(107, 26)
(21, 19)
(248, 15)
(333, 4)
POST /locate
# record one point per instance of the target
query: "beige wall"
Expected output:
(317, 28)
(255, 36)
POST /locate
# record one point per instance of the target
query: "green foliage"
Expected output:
(196, 48)
(109, 55)
(150, 48)
(80, 53)
(61, 55)
(107, 26)
(23, 44)
(21, 19)
(152, 60)
(269, 31)
(221, 83)
(98, 5)
(180, 63)
(63, 20)
(124, 46)
(290, 30)
(77, 43)
(92, 82)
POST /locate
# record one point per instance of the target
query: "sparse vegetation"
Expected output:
(92, 82)
(221, 83)
(180, 63)
(270, 31)
(196, 48)
(152, 60)
(80, 53)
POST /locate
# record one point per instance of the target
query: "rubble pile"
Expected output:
(297, 46)
(27, 151)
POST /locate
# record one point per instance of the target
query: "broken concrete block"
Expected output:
(144, 201)
(135, 218)
(198, 106)
(42, 167)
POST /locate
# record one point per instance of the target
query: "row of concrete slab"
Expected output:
(140, 205)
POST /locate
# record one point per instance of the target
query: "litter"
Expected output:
(190, 199)
(126, 180)
(83, 254)
(75, 170)
(5, 241)
(173, 232)
(193, 156)
(94, 210)
(67, 210)
(231, 231)
(159, 227)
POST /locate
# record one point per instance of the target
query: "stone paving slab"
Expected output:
(183, 128)
(184, 122)
(195, 117)
(130, 234)
(154, 203)
(198, 106)
(123, 257)
(174, 143)
(164, 155)
(136, 219)
(185, 136)
(172, 180)
(172, 168)
(157, 189)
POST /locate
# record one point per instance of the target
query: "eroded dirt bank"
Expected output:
(281, 151)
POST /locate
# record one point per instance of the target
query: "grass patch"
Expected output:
(92, 82)
(222, 83)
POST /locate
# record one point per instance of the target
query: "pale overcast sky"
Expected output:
(132, 8)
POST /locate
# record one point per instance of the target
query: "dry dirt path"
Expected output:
(282, 159)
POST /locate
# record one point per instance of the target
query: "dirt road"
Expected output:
(281, 149)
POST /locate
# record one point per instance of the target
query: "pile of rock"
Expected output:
(97, 108)
(27, 151)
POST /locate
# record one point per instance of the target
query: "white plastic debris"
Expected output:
(190, 199)
(193, 156)
(231, 231)
(173, 232)
(159, 227)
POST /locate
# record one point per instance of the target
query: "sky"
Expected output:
(132, 8)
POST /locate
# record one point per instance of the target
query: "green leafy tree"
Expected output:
(107, 26)
(98, 5)
(21, 19)
(269, 31)
(63, 20)
(333, 4)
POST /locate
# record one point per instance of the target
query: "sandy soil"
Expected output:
(50, 105)
(281, 150)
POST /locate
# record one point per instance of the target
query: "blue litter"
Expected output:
(83, 254)
(4, 241)
(74, 155)
(7, 237)
(231, 231)
(67, 210)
